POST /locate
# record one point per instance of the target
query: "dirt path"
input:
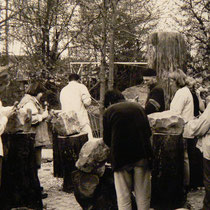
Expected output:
(59, 200)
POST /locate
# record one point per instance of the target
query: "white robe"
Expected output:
(75, 97)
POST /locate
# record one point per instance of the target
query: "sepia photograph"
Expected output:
(104, 105)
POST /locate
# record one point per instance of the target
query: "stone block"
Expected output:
(19, 121)
(65, 123)
(166, 122)
(93, 156)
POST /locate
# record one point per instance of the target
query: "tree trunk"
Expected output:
(7, 33)
(166, 53)
(111, 53)
(103, 66)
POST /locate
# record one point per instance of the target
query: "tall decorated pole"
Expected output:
(166, 53)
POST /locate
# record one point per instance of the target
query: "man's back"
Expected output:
(127, 132)
(71, 97)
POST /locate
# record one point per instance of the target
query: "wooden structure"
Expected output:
(65, 154)
(167, 173)
(166, 53)
(20, 183)
(57, 159)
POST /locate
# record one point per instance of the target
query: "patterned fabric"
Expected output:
(155, 101)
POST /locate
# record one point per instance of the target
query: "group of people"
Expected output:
(126, 130)
(73, 97)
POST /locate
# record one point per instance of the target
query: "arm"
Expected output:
(3, 123)
(36, 117)
(152, 106)
(5, 113)
(85, 95)
(201, 103)
(200, 126)
(62, 98)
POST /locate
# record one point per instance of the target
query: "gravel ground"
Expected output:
(59, 200)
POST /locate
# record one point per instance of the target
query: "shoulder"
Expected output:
(125, 106)
(81, 85)
(183, 92)
(64, 88)
(26, 99)
(158, 88)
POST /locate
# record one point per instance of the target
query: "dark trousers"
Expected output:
(196, 164)
(206, 181)
(1, 159)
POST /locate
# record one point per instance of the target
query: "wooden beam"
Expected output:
(123, 63)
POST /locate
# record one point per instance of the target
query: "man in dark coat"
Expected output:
(127, 132)
(155, 101)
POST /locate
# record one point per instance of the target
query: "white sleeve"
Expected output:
(200, 126)
(86, 97)
(3, 123)
(62, 97)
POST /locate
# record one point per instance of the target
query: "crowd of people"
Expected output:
(126, 130)
(127, 133)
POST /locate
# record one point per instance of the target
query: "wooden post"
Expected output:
(57, 159)
(167, 173)
(67, 153)
(166, 53)
(20, 183)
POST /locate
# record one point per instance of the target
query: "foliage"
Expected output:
(44, 27)
(134, 21)
(4, 19)
(194, 24)
(56, 32)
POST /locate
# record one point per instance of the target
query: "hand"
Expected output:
(46, 104)
(45, 114)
